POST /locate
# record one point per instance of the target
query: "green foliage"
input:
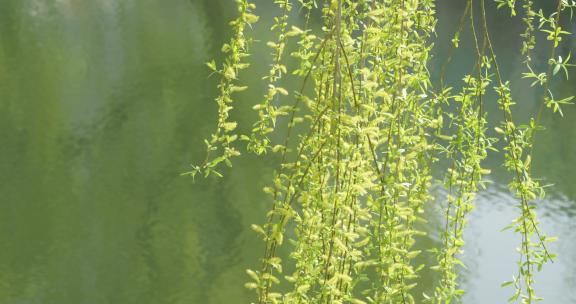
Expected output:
(348, 194)
(267, 112)
(236, 51)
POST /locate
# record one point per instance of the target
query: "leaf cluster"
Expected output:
(351, 188)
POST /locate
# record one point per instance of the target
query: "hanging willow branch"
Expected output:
(352, 185)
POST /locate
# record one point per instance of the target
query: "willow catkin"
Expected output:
(354, 180)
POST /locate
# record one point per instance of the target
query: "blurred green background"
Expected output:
(104, 103)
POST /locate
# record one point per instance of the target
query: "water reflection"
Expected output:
(99, 115)
(489, 250)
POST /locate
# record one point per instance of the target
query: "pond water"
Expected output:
(104, 103)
